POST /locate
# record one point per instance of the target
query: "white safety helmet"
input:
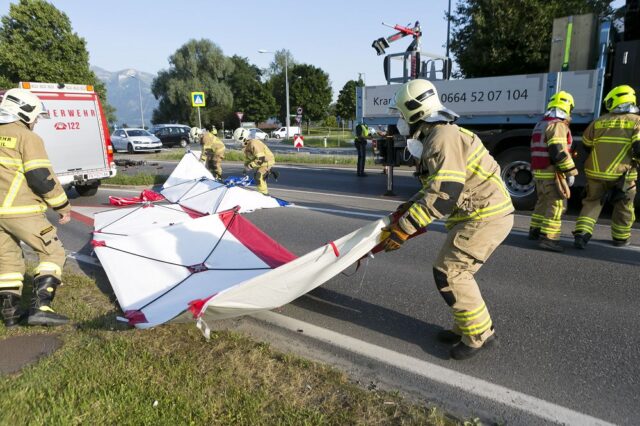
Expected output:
(241, 134)
(417, 99)
(24, 105)
(195, 132)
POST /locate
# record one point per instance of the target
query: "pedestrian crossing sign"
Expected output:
(197, 99)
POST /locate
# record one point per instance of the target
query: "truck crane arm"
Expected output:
(382, 43)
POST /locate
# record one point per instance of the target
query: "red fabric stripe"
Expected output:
(262, 245)
(192, 213)
(135, 317)
(97, 243)
(335, 249)
(195, 306)
(82, 218)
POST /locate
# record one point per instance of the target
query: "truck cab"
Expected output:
(76, 136)
(503, 110)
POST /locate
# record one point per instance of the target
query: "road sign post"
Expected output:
(198, 101)
(240, 115)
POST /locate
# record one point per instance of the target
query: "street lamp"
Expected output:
(286, 87)
(132, 75)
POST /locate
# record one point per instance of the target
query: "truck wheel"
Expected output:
(88, 190)
(517, 176)
(130, 149)
(184, 143)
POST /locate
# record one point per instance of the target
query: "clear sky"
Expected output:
(333, 35)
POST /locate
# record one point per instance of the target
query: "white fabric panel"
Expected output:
(196, 287)
(247, 199)
(187, 243)
(138, 219)
(136, 280)
(289, 281)
(188, 190)
(188, 168)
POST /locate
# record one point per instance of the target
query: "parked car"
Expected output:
(135, 140)
(282, 132)
(177, 135)
(255, 133)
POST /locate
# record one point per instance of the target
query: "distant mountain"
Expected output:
(122, 94)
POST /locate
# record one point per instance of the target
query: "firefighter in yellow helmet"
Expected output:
(27, 186)
(258, 157)
(461, 180)
(212, 152)
(613, 142)
(553, 170)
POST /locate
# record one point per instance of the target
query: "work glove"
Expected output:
(571, 180)
(396, 237)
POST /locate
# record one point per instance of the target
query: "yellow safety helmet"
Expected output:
(416, 99)
(563, 101)
(620, 95)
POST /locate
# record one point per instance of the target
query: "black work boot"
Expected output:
(448, 337)
(41, 313)
(580, 240)
(10, 309)
(551, 245)
(534, 234)
(461, 351)
(621, 243)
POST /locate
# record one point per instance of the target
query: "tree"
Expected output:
(505, 37)
(346, 104)
(197, 66)
(250, 95)
(277, 65)
(37, 43)
(309, 88)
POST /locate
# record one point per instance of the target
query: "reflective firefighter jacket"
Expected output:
(551, 149)
(257, 155)
(27, 181)
(212, 143)
(609, 139)
(459, 178)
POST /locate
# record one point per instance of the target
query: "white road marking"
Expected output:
(514, 399)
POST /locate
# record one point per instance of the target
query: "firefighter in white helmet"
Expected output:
(28, 186)
(461, 180)
(212, 152)
(258, 157)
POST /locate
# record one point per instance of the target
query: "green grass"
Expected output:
(107, 373)
(294, 158)
(145, 179)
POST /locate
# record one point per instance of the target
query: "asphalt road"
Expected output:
(565, 322)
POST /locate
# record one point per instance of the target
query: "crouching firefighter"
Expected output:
(212, 152)
(553, 170)
(612, 141)
(27, 186)
(257, 157)
(461, 180)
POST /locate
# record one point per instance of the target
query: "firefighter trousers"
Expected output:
(213, 163)
(467, 247)
(39, 234)
(260, 177)
(623, 214)
(361, 149)
(547, 214)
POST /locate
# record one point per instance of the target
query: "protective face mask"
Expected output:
(403, 127)
(415, 148)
